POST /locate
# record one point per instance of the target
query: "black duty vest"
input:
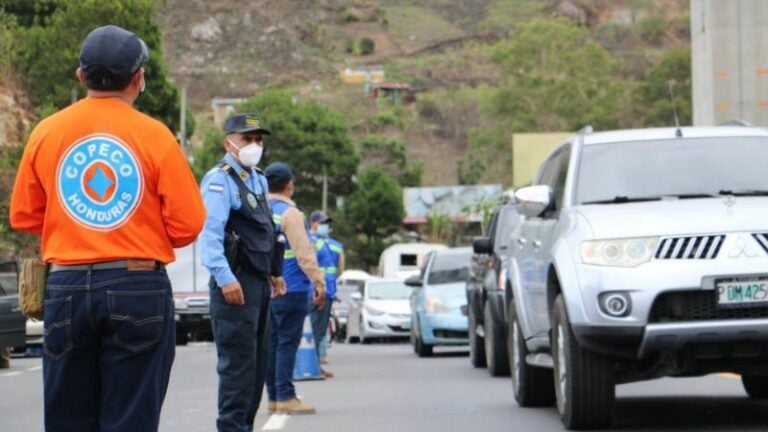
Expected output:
(249, 236)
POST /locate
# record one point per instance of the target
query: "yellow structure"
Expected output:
(528, 152)
(363, 74)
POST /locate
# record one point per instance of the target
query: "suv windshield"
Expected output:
(692, 167)
(449, 268)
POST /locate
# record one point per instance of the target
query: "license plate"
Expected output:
(742, 292)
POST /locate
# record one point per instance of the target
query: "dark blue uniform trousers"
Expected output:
(108, 349)
(241, 333)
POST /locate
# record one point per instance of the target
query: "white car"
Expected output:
(381, 310)
(642, 254)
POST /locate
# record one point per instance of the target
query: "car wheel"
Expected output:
(182, 337)
(756, 386)
(584, 380)
(476, 348)
(533, 386)
(495, 349)
(422, 349)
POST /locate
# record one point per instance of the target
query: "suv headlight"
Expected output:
(629, 252)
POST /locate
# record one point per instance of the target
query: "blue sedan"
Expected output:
(439, 301)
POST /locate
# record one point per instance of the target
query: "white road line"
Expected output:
(10, 374)
(276, 422)
(33, 369)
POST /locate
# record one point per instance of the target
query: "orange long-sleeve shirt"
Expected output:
(100, 181)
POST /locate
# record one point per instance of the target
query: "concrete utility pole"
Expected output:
(729, 57)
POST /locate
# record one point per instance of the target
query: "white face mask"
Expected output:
(250, 155)
(323, 230)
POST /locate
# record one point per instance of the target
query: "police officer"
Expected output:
(239, 249)
(330, 256)
(303, 278)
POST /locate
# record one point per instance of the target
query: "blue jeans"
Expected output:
(320, 318)
(287, 321)
(241, 333)
(109, 343)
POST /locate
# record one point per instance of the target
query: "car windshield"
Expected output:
(388, 291)
(349, 286)
(682, 167)
(449, 268)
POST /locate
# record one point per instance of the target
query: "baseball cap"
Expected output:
(319, 216)
(278, 171)
(110, 55)
(243, 123)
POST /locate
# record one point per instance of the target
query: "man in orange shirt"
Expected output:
(111, 194)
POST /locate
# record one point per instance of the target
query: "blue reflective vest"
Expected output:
(295, 278)
(328, 254)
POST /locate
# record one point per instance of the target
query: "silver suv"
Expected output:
(642, 253)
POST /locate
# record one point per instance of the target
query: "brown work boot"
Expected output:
(271, 407)
(326, 373)
(294, 406)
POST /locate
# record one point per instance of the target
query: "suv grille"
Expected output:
(697, 306)
(762, 239)
(696, 247)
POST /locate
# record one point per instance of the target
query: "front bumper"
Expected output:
(387, 325)
(193, 320)
(444, 329)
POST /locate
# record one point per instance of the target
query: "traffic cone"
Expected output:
(307, 365)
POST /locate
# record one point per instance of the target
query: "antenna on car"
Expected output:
(678, 131)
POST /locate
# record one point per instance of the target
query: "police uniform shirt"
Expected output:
(220, 195)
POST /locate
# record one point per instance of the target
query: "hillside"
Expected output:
(234, 48)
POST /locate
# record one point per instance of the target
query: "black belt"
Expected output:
(109, 265)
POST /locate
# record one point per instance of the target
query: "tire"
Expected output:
(756, 386)
(495, 347)
(585, 387)
(533, 386)
(422, 349)
(476, 344)
(182, 337)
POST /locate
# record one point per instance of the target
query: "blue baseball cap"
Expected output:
(278, 171)
(109, 57)
(319, 216)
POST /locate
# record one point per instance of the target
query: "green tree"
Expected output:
(651, 97)
(389, 154)
(313, 139)
(372, 213)
(13, 244)
(47, 51)
(556, 78)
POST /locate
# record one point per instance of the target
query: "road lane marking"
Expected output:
(10, 374)
(276, 422)
(33, 369)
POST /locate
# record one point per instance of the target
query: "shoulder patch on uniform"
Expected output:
(216, 187)
(225, 167)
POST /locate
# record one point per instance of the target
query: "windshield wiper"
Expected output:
(744, 192)
(618, 199)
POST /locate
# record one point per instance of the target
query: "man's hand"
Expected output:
(233, 293)
(318, 299)
(278, 286)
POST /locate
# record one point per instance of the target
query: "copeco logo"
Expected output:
(99, 182)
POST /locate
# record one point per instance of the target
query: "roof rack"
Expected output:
(736, 122)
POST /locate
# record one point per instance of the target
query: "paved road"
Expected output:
(387, 388)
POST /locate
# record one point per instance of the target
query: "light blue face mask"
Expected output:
(323, 230)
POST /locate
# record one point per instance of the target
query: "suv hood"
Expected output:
(675, 217)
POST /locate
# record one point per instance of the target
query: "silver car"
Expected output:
(381, 310)
(643, 253)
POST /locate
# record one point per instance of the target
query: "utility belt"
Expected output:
(128, 264)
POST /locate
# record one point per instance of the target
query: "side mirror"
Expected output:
(356, 296)
(482, 245)
(532, 201)
(414, 281)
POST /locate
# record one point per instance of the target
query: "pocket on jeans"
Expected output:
(137, 317)
(57, 331)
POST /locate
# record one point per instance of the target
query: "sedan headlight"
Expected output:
(436, 306)
(374, 311)
(629, 252)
